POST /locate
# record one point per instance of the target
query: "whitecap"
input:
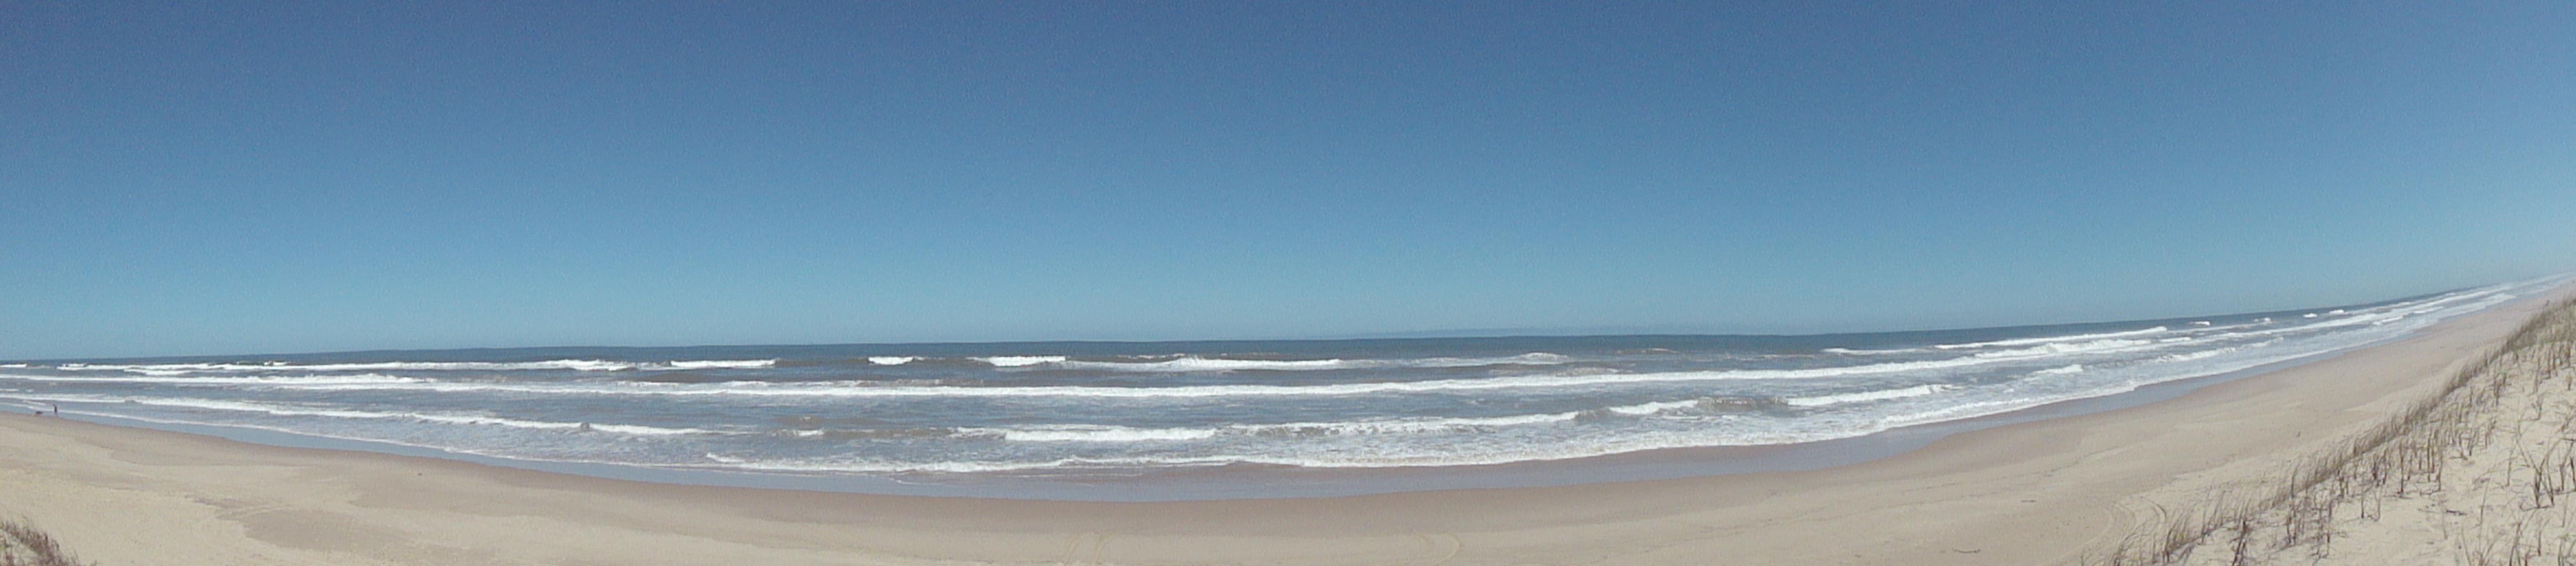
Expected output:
(435, 417)
(1090, 433)
(1192, 364)
(1019, 361)
(2050, 339)
(1865, 396)
(255, 380)
(1568, 379)
(180, 368)
(716, 364)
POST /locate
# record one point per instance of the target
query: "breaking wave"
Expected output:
(1866, 396)
(574, 365)
(1047, 407)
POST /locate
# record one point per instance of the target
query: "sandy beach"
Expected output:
(1286, 284)
(2031, 493)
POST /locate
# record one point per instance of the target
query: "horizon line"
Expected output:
(1465, 333)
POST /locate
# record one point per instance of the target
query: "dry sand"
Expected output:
(2484, 473)
(2033, 493)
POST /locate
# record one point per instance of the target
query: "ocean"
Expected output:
(961, 413)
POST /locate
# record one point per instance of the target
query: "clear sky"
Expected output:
(213, 178)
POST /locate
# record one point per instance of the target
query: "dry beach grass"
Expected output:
(23, 545)
(2480, 473)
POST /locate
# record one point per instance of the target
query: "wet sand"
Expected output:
(2019, 493)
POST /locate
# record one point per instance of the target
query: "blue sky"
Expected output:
(278, 177)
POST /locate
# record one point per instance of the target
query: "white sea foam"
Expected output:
(1184, 364)
(718, 364)
(2040, 349)
(1702, 437)
(1113, 433)
(1854, 352)
(1566, 380)
(2040, 341)
(577, 365)
(1019, 361)
(891, 360)
(1451, 454)
(1481, 453)
(2065, 348)
(864, 389)
(2392, 313)
(356, 379)
(868, 465)
(1655, 407)
(1410, 425)
(548, 425)
(435, 417)
(1347, 433)
(1197, 364)
(1865, 396)
(2054, 339)
(2214, 352)
(2000, 406)
(1970, 410)
(1090, 433)
(2189, 356)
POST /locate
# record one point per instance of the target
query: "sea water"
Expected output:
(963, 412)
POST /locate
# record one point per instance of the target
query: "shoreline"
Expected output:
(1229, 483)
(1257, 481)
(2017, 492)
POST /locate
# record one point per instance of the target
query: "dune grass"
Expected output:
(2486, 464)
(24, 545)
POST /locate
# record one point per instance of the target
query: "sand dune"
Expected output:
(2483, 473)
